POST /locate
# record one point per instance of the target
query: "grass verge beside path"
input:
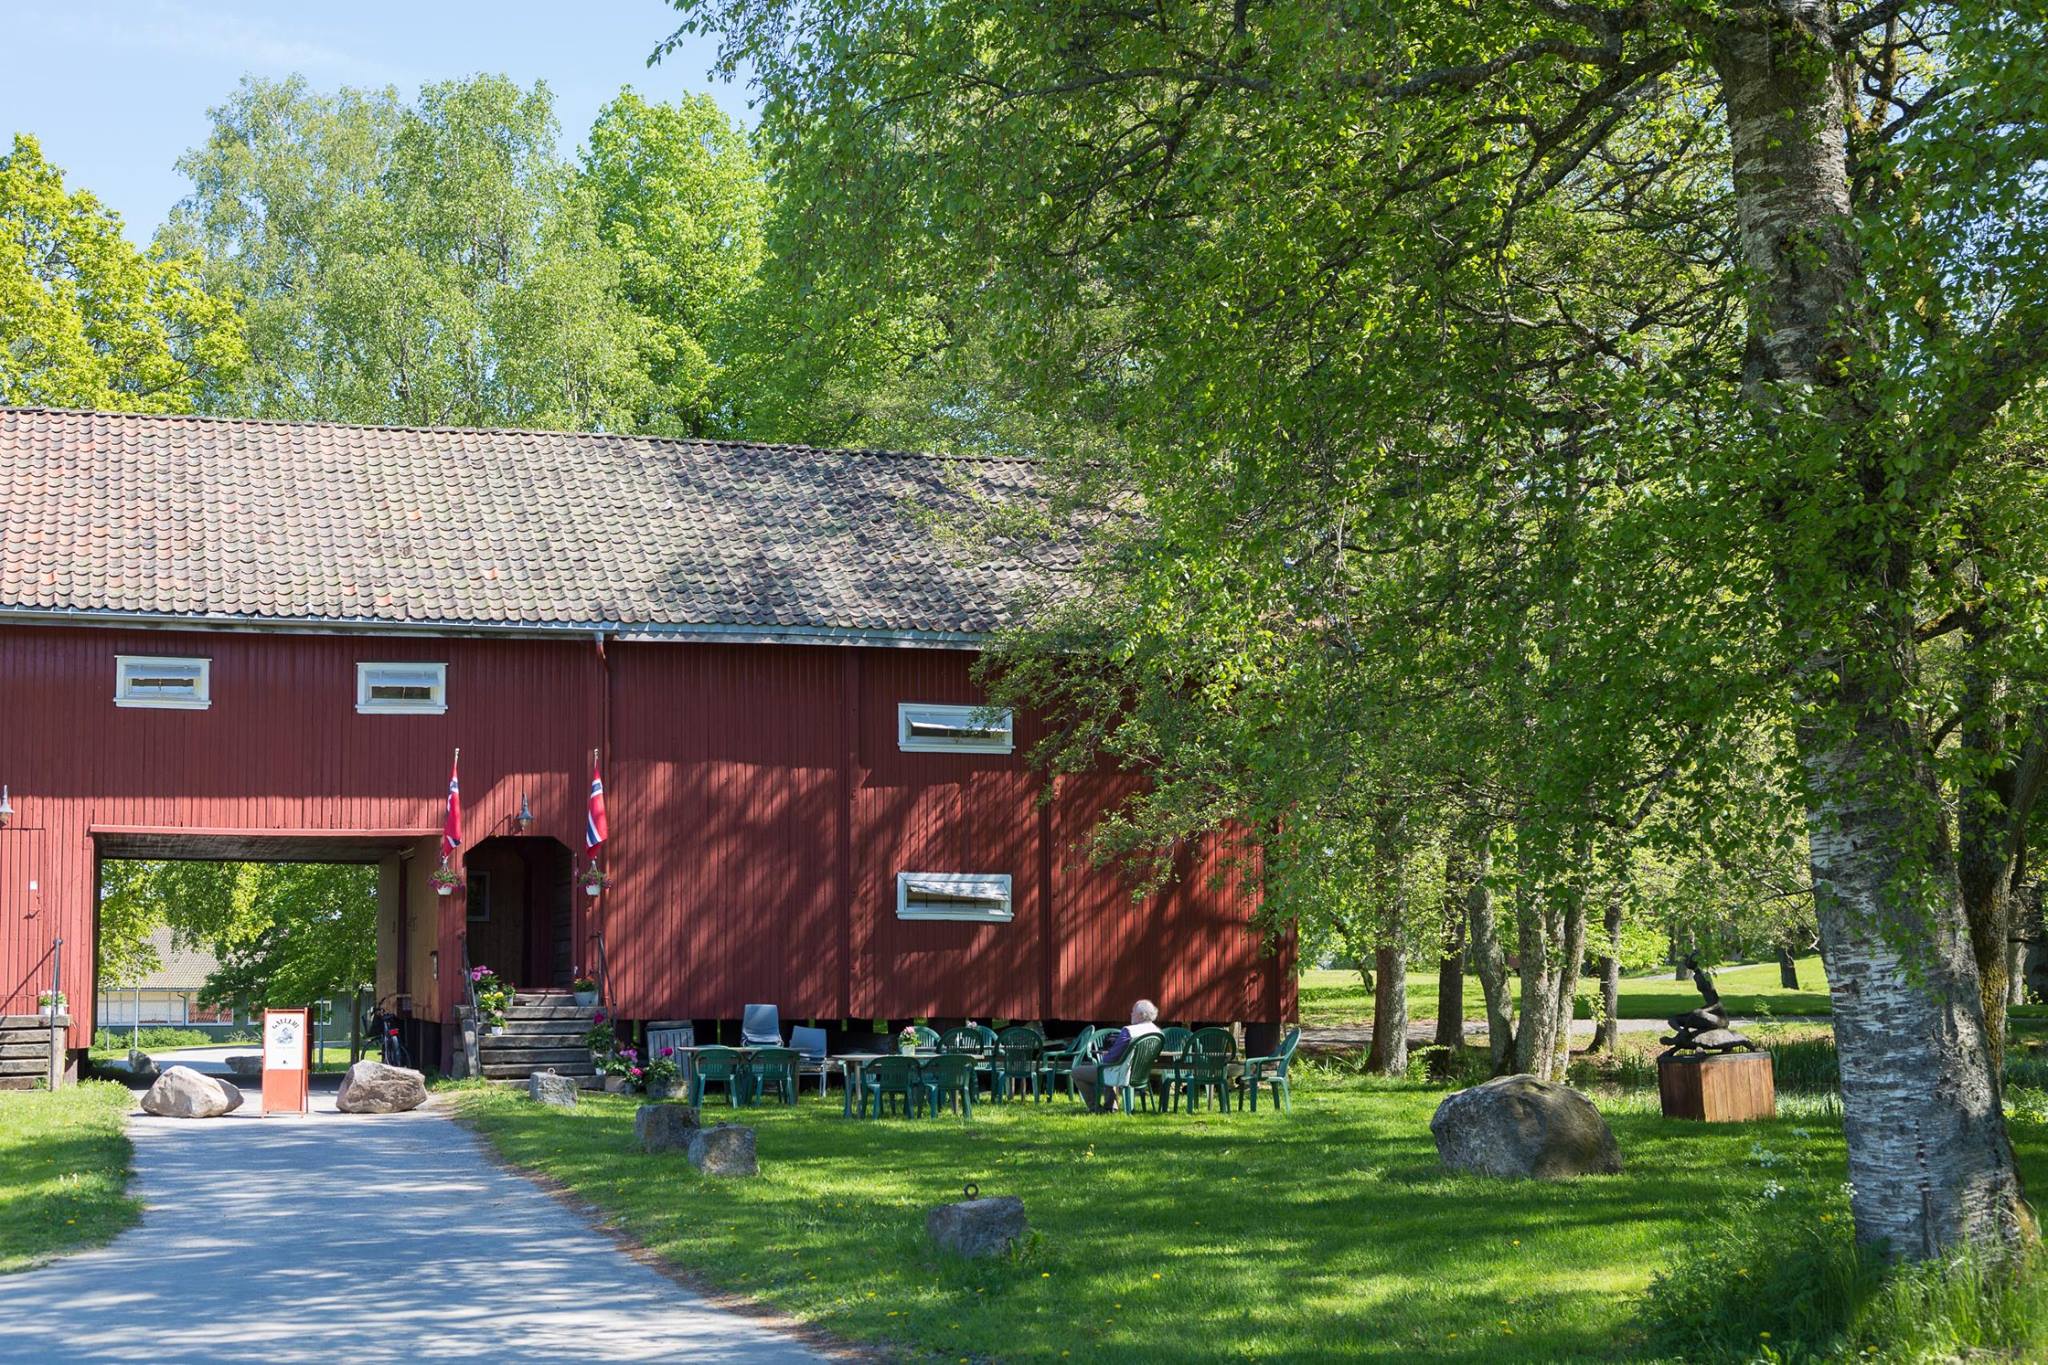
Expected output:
(64, 1159)
(1331, 1234)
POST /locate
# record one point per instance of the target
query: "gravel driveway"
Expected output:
(357, 1238)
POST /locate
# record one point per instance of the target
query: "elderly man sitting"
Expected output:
(1097, 1081)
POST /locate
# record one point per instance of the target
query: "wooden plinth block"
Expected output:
(1725, 1087)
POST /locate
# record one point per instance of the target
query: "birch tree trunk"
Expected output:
(1571, 955)
(1450, 967)
(1489, 959)
(1389, 1055)
(1607, 1037)
(1929, 1163)
(1536, 1040)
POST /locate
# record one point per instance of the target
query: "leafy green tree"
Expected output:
(680, 200)
(284, 933)
(1527, 403)
(432, 263)
(88, 321)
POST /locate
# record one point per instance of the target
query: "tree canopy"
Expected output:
(441, 262)
(1587, 427)
(88, 321)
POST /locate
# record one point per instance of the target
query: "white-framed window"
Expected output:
(977, 897)
(927, 727)
(174, 684)
(401, 689)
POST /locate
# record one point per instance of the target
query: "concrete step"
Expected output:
(535, 1057)
(542, 1028)
(547, 998)
(550, 1011)
(498, 1071)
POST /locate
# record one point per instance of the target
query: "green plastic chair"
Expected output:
(1172, 1070)
(963, 1038)
(773, 1070)
(1016, 1060)
(890, 1077)
(1057, 1062)
(1271, 1071)
(926, 1037)
(719, 1066)
(949, 1083)
(1136, 1091)
(1206, 1074)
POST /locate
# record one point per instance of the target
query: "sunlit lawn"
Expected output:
(63, 1170)
(1330, 1234)
(1331, 997)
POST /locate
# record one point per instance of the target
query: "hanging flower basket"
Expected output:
(594, 880)
(443, 880)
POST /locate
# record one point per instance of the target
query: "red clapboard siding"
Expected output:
(760, 811)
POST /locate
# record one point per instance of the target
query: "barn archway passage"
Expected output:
(196, 933)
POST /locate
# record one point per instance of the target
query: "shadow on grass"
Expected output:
(1331, 1234)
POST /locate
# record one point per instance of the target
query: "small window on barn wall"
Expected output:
(930, 728)
(402, 689)
(175, 684)
(982, 898)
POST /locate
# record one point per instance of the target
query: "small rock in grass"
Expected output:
(724, 1149)
(545, 1087)
(978, 1227)
(666, 1127)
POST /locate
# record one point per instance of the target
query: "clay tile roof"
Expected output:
(114, 514)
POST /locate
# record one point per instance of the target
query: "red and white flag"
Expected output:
(595, 830)
(451, 827)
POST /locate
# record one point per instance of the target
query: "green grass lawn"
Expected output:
(1330, 1234)
(63, 1171)
(1332, 997)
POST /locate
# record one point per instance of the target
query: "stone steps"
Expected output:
(519, 1071)
(537, 1059)
(544, 1031)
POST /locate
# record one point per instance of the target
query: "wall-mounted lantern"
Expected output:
(523, 821)
(6, 808)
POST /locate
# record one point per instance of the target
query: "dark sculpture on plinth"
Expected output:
(1704, 1031)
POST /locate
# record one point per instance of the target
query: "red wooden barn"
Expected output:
(227, 638)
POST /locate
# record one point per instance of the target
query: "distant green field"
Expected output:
(1330, 998)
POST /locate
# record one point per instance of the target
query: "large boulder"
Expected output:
(545, 1087)
(182, 1093)
(376, 1088)
(666, 1127)
(246, 1066)
(724, 1149)
(1518, 1127)
(978, 1227)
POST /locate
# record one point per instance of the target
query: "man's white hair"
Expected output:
(1144, 1012)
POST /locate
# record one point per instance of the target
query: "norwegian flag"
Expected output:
(595, 830)
(451, 827)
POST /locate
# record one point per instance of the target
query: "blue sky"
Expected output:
(118, 91)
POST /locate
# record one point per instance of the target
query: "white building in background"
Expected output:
(168, 996)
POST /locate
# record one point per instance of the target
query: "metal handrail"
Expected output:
(468, 981)
(604, 973)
